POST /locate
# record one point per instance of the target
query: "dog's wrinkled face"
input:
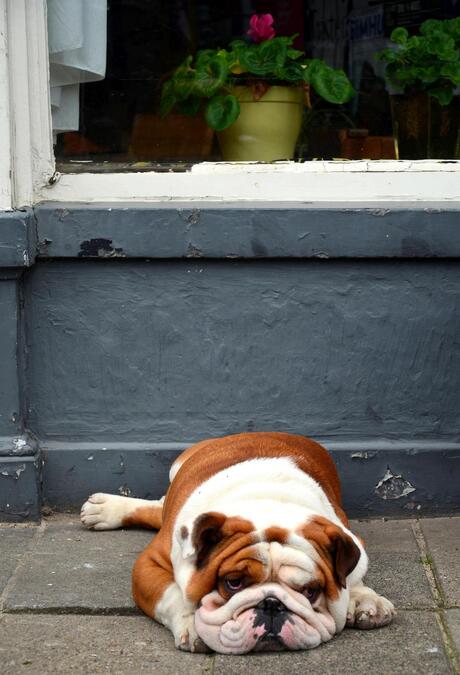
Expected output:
(271, 589)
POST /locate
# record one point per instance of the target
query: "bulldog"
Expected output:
(254, 550)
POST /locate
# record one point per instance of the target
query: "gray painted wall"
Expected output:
(130, 333)
(177, 351)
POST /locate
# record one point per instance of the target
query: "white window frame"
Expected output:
(27, 165)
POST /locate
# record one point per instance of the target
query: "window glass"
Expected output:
(323, 95)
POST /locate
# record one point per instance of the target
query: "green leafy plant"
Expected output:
(212, 75)
(427, 62)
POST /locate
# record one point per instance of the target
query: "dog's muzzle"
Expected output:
(262, 618)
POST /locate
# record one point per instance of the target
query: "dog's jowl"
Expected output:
(254, 551)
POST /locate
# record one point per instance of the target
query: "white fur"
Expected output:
(106, 512)
(177, 614)
(175, 466)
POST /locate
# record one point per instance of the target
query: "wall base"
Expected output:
(379, 478)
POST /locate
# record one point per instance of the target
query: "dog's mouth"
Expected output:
(269, 643)
(268, 617)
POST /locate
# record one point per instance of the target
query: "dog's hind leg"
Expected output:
(108, 512)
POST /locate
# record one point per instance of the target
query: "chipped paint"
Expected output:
(14, 472)
(18, 444)
(124, 491)
(99, 248)
(393, 486)
(194, 251)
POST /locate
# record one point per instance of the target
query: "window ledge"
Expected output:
(239, 230)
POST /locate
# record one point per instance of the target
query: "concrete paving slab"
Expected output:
(412, 644)
(395, 568)
(77, 569)
(14, 542)
(453, 621)
(443, 540)
(92, 644)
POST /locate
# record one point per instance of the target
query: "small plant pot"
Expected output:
(424, 129)
(266, 129)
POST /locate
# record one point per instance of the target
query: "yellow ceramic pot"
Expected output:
(267, 129)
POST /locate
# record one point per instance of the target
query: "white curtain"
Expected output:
(77, 39)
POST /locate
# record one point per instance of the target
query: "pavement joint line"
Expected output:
(209, 665)
(428, 565)
(133, 611)
(438, 594)
(76, 610)
(38, 535)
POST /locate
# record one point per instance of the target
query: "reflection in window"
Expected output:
(120, 125)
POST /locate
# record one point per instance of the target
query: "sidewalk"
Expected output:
(66, 607)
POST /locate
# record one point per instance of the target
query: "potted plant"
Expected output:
(424, 71)
(253, 92)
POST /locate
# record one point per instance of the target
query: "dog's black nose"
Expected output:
(271, 605)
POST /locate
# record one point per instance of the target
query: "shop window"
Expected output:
(119, 121)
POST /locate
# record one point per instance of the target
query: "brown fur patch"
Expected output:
(149, 517)
(338, 553)
(204, 580)
(279, 534)
(246, 564)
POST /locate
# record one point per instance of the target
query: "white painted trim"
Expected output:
(32, 160)
(5, 146)
(338, 181)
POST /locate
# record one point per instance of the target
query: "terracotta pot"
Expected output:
(175, 137)
(423, 128)
(266, 129)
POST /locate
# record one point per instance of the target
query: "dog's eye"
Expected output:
(234, 585)
(312, 593)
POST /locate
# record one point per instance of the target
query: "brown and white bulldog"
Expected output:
(253, 551)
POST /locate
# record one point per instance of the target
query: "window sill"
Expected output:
(294, 182)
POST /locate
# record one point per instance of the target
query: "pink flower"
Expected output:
(261, 27)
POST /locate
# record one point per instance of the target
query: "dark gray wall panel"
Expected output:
(378, 478)
(10, 405)
(180, 350)
(20, 496)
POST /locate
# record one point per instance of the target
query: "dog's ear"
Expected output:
(345, 555)
(203, 535)
(207, 531)
(334, 545)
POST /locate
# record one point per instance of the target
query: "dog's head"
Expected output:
(271, 589)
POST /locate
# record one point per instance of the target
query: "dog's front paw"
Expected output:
(186, 638)
(367, 610)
